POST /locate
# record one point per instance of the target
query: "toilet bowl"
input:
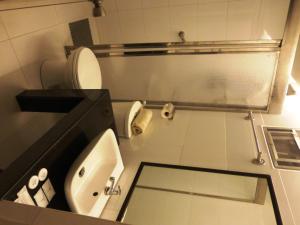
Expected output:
(80, 71)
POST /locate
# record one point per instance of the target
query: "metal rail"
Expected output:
(181, 48)
(195, 194)
(259, 160)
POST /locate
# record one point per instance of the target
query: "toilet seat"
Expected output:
(83, 70)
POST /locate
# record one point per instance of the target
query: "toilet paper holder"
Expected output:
(168, 111)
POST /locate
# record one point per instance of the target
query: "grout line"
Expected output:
(225, 133)
(28, 85)
(4, 27)
(45, 5)
(286, 197)
(226, 21)
(15, 53)
(185, 135)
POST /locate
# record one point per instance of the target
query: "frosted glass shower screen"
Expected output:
(234, 79)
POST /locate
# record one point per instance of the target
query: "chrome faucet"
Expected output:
(112, 190)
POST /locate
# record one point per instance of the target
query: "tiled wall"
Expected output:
(202, 20)
(28, 37)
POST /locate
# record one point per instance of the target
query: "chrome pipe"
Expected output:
(259, 160)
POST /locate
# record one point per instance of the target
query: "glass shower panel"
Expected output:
(231, 79)
(168, 194)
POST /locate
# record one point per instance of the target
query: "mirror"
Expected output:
(167, 194)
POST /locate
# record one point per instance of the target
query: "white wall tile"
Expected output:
(181, 2)
(157, 25)
(94, 30)
(272, 19)
(129, 4)
(11, 83)
(212, 21)
(184, 18)
(3, 33)
(110, 5)
(22, 21)
(132, 26)
(154, 3)
(209, 1)
(109, 28)
(45, 44)
(242, 18)
(34, 48)
(71, 12)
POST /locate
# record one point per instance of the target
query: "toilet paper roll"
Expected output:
(168, 111)
(142, 121)
(124, 113)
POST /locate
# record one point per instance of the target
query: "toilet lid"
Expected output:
(86, 70)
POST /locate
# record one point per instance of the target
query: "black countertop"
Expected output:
(89, 112)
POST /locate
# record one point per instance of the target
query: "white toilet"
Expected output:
(82, 71)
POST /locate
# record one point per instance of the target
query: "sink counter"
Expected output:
(89, 113)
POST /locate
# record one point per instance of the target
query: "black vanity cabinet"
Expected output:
(88, 113)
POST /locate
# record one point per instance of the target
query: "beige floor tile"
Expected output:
(205, 141)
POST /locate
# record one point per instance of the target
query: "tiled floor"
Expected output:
(194, 138)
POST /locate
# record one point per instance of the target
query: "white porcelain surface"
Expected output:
(101, 160)
(87, 70)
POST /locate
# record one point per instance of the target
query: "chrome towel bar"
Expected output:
(259, 160)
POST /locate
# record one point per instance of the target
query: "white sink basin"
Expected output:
(90, 173)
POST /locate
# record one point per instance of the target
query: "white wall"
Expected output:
(202, 20)
(27, 37)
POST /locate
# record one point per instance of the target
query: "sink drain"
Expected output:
(95, 193)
